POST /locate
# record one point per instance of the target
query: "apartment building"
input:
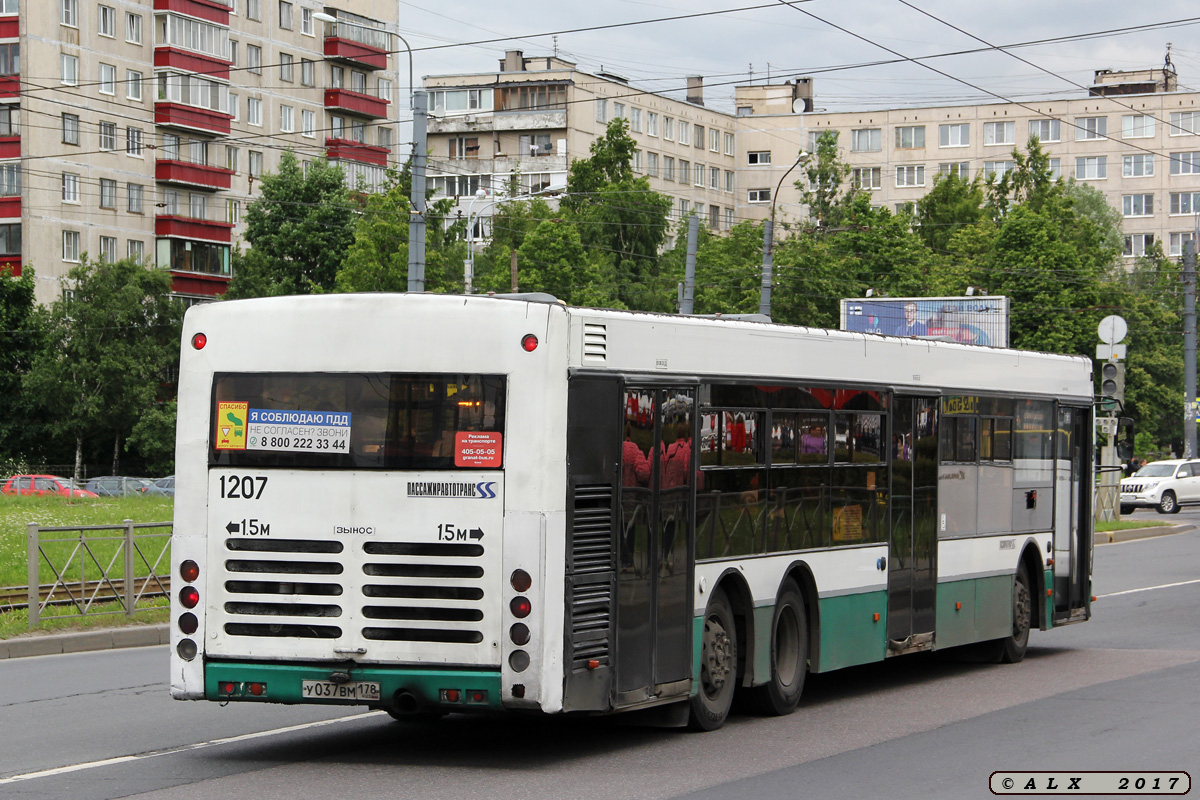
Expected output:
(142, 127)
(538, 114)
(1132, 136)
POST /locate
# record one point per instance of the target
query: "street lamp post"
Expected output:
(472, 215)
(768, 265)
(418, 103)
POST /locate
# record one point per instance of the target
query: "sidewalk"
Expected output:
(47, 644)
(1110, 537)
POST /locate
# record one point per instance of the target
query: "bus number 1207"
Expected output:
(245, 487)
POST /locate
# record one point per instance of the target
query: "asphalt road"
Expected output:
(1119, 692)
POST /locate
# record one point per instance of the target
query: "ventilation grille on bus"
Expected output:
(423, 592)
(595, 343)
(591, 613)
(591, 530)
(300, 582)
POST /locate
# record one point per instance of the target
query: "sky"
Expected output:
(836, 42)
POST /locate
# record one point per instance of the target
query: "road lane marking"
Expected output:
(108, 762)
(1147, 589)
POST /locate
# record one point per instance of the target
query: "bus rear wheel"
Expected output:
(780, 695)
(1012, 649)
(718, 666)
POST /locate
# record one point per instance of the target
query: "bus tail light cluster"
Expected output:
(521, 607)
(471, 697)
(189, 597)
(242, 689)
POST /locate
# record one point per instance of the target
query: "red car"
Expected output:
(44, 484)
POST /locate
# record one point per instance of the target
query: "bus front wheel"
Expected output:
(789, 655)
(718, 666)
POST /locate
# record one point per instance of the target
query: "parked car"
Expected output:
(1165, 485)
(163, 487)
(118, 486)
(44, 484)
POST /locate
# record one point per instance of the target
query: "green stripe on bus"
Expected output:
(973, 610)
(850, 633)
(283, 682)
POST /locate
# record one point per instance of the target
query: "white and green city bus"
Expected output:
(428, 503)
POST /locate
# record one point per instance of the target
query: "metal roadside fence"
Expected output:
(97, 564)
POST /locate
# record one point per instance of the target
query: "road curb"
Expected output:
(106, 639)
(1129, 535)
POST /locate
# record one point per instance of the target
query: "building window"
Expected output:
(233, 106)
(133, 141)
(1185, 163)
(618, 110)
(108, 249)
(106, 21)
(866, 140)
(637, 161)
(233, 52)
(1046, 130)
(10, 179)
(728, 144)
(1137, 205)
(729, 180)
(285, 15)
(254, 111)
(384, 137)
(866, 177)
(10, 58)
(1055, 166)
(698, 136)
(652, 164)
(254, 58)
(668, 132)
(684, 207)
(108, 193)
(758, 158)
(10, 120)
(668, 173)
(998, 168)
(70, 128)
(685, 171)
(910, 137)
(1177, 241)
(1136, 244)
(133, 194)
(1185, 122)
(1185, 202)
(728, 221)
(231, 158)
(307, 72)
(714, 178)
(135, 249)
(714, 217)
(698, 172)
(287, 119)
(10, 239)
(133, 27)
(714, 140)
(1139, 165)
(233, 211)
(999, 132)
(1091, 168)
(758, 196)
(651, 123)
(337, 130)
(635, 119)
(910, 175)
(1137, 126)
(108, 79)
(108, 136)
(70, 13)
(306, 21)
(1087, 128)
(955, 135)
(962, 169)
(308, 123)
(685, 132)
(254, 9)
(198, 152)
(169, 147)
(286, 67)
(601, 109)
(70, 70)
(256, 163)
(133, 85)
(70, 246)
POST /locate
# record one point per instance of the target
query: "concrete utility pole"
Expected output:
(1189, 350)
(689, 274)
(768, 266)
(416, 220)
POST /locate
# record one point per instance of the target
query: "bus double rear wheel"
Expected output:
(780, 695)
(718, 666)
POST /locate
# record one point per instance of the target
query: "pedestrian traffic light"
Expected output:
(1112, 381)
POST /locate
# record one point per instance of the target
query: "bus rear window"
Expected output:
(358, 420)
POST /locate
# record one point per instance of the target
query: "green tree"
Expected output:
(953, 203)
(298, 229)
(109, 346)
(618, 215)
(19, 341)
(821, 186)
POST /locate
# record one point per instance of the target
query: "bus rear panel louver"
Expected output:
(595, 343)
(592, 576)
(433, 573)
(292, 568)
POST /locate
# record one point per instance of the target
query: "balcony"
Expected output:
(214, 11)
(198, 284)
(177, 58)
(10, 147)
(355, 103)
(350, 150)
(10, 85)
(203, 230)
(191, 118)
(10, 207)
(358, 46)
(10, 27)
(193, 176)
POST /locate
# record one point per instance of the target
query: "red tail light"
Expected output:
(189, 570)
(529, 343)
(199, 340)
(520, 607)
(189, 597)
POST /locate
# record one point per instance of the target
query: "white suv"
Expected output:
(1165, 485)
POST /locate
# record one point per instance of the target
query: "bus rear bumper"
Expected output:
(400, 689)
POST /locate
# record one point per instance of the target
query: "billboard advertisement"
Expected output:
(968, 320)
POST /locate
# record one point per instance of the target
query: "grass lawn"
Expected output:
(1130, 523)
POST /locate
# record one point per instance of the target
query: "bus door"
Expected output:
(912, 553)
(1072, 513)
(656, 547)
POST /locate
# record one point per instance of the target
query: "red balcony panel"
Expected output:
(217, 13)
(348, 150)
(190, 118)
(10, 207)
(10, 146)
(197, 176)
(356, 53)
(10, 28)
(10, 265)
(204, 230)
(187, 61)
(10, 85)
(198, 283)
(356, 103)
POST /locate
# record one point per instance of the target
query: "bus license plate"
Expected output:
(328, 690)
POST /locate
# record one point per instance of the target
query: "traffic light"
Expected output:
(1112, 381)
